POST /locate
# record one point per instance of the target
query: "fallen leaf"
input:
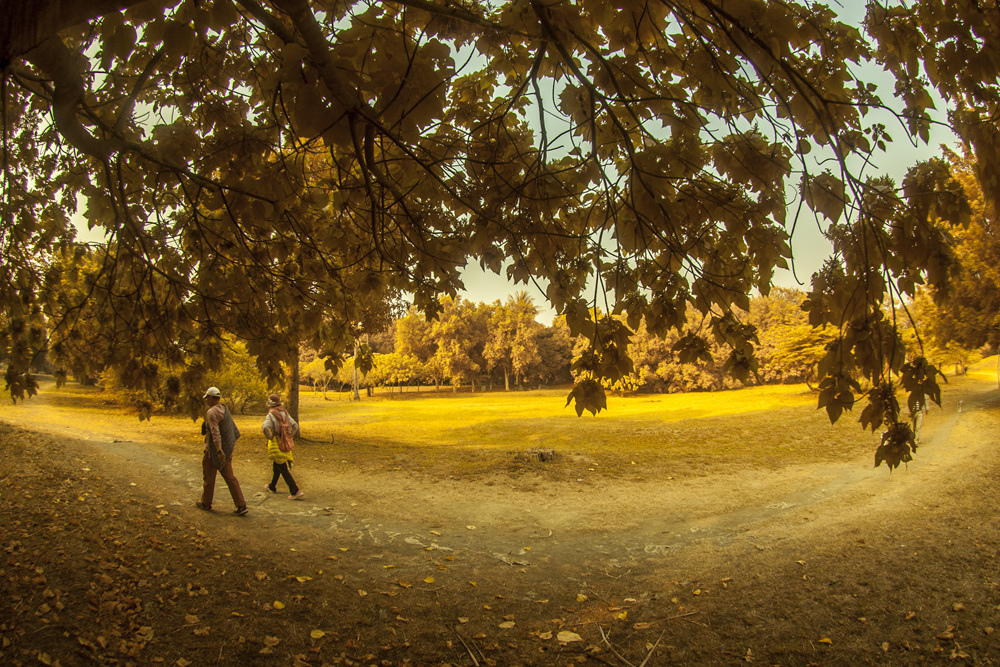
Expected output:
(910, 615)
(885, 647)
(434, 532)
(404, 584)
(507, 625)
(190, 619)
(545, 635)
(565, 636)
(825, 640)
(278, 605)
(958, 606)
(271, 641)
(303, 580)
(181, 662)
(580, 597)
(641, 626)
(471, 527)
(429, 580)
(623, 615)
(317, 634)
(201, 632)
(362, 593)
(463, 619)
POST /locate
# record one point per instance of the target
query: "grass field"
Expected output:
(472, 434)
(685, 433)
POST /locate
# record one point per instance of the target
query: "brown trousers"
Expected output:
(208, 471)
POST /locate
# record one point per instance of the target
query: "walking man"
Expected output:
(221, 435)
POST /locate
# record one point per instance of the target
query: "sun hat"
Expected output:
(212, 391)
(273, 400)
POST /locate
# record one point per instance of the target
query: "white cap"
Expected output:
(212, 391)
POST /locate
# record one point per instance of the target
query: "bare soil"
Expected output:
(105, 559)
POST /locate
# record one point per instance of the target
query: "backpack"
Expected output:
(285, 441)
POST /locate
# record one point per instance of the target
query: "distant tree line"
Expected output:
(501, 345)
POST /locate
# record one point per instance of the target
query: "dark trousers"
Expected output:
(286, 474)
(208, 471)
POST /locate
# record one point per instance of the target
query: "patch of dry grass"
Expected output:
(686, 434)
(461, 434)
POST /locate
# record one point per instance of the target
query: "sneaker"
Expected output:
(298, 495)
(200, 505)
(241, 511)
(271, 489)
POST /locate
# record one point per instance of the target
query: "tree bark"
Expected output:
(354, 383)
(292, 386)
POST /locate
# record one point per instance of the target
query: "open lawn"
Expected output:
(461, 433)
(442, 433)
(701, 529)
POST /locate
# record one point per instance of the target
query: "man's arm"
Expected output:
(212, 417)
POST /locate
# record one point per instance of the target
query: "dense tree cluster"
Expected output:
(965, 316)
(501, 345)
(270, 169)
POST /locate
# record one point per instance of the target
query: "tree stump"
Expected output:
(542, 454)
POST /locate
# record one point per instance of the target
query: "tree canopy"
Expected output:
(270, 168)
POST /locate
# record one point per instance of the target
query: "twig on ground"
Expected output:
(466, 645)
(650, 654)
(594, 591)
(674, 618)
(617, 654)
(623, 574)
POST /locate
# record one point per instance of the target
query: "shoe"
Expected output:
(272, 490)
(298, 495)
(202, 506)
(241, 511)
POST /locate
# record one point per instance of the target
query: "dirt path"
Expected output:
(613, 519)
(780, 564)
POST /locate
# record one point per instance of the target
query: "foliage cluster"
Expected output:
(955, 322)
(477, 344)
(280, 170)
(237, 378)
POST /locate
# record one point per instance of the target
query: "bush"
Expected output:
(238, 379)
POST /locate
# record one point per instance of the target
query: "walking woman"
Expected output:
(278, 428)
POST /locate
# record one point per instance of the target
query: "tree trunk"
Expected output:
(354, 383)
(292, 386)
(506, 379)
